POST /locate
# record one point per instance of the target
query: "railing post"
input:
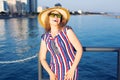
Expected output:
(118, 66)
(39, 71)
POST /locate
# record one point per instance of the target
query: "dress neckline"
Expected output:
(57, 33)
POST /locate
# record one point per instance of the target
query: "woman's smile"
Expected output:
(55, 20)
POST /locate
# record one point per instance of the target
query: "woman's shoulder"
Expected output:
(66, 28)
(44, 35)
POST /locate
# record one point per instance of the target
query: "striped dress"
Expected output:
(62, 53)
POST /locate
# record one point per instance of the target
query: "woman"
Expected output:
(61, 42)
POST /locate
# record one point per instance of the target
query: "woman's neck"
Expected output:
(55, 29)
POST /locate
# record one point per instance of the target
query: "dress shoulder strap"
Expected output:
(67, 28)
(44, 36)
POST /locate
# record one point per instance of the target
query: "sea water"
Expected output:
(20, 43)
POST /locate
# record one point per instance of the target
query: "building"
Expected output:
(1, 6)
(32, 6)
(80, 11)
(39, 9)
(25, 6)
(22, 6)
(12, 6)
(18, 6)
(6, 8)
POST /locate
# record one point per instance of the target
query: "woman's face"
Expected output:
(54, 18)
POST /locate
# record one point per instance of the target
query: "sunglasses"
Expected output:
(53, 15)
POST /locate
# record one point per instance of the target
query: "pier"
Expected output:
(93, 49)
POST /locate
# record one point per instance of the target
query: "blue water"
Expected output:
(20, 42)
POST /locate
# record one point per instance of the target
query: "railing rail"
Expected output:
(95, 49)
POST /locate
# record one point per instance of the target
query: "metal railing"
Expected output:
(95, 49)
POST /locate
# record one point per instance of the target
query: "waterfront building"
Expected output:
(19, 7)
(12, 6)
(25, 6)
(32, 6)
(6, 8)
(39, 9)
(22, 6)
(1, 6)
(80, 11)
(58, 4)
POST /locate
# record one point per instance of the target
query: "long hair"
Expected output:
(47, 24)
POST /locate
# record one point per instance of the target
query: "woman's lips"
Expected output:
(55, 20)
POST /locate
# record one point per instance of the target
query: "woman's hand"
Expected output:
(53, 76)
(69, 75)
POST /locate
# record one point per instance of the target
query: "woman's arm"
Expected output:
(78, 47)
(42, 58)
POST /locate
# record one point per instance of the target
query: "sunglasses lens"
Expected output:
(57, 15)
(52, 15)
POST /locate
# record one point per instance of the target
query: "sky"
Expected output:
(85, 5)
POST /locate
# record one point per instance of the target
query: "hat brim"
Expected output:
(42, 16)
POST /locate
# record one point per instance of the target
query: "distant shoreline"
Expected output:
(17, 16)
(35, 15)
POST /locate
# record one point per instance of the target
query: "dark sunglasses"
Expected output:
(53, 15)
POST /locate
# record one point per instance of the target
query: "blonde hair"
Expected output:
(47, 24)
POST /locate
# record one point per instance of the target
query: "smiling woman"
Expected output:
(60, 41)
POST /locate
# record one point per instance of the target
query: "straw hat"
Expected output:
(42, 16)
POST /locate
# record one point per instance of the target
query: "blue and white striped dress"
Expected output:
(62, 53)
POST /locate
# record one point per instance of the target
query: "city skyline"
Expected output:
(18, 6)
(85, 5)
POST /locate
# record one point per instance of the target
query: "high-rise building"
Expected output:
(25, 5)
(1, 5)
(6, 8)
(22, 6)
(12, 6)
(32, 6)
(18, 6)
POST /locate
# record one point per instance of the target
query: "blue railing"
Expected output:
(96, 49)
